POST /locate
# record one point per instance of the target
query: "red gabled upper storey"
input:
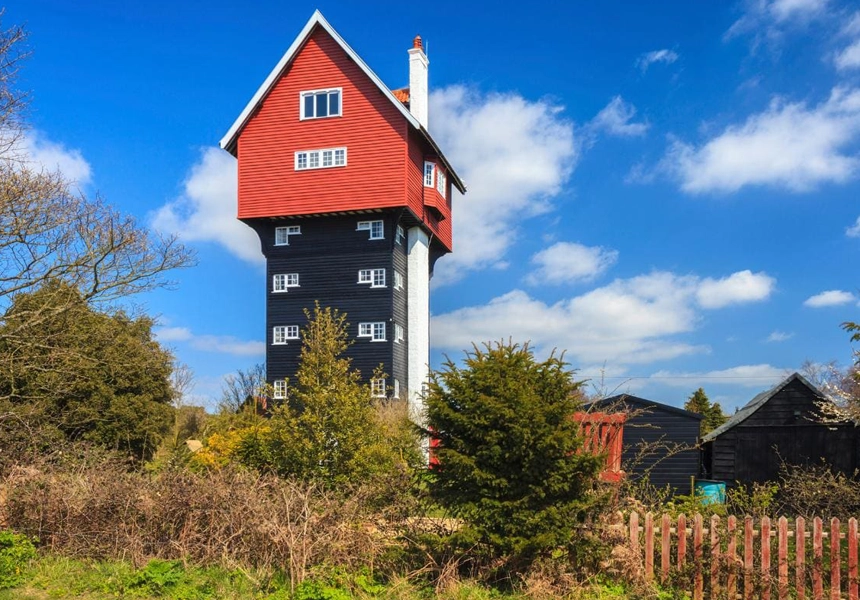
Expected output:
(381, 148)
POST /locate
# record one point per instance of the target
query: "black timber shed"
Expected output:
(660, 441)
(782, 424)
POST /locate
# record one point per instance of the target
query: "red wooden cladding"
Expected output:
(603, 433)
(759, 576)
(382, 153)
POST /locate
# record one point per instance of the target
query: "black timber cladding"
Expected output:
(782, 424)
(660, 441)
(327, 255)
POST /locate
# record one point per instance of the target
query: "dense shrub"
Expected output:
(16, 552)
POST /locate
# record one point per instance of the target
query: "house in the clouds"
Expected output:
(351, 199)
(782, 424)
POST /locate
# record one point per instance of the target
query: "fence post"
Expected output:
(748, 558)
(765, 558)
(732, 558)
(800, 556)
(835, 558)
(697, 557)
(782, 559)
(649, 545)
(817, 559)
(715, 556)
(682, 542)
(666, 545)
(634, 533)
(852, 559)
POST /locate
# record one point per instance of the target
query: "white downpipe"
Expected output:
(418, 315)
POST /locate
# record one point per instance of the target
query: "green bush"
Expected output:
(16, 552)
(510, 460)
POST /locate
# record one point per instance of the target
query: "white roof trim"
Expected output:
(229, 138)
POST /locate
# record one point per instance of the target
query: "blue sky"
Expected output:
(668, 190)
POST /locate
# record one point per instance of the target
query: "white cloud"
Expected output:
(743, 286)
(628, 321)
(755, 376)
(788, 146)
(35, 148)
(779, 336)
(566, 262)
(207, 209)
(853, 230)
(849, 58)
(211, 343)
(768, 18)
(656, 56)
(515, 155)
(829, 298)
(615, 119)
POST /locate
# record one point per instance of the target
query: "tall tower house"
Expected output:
(351, 199)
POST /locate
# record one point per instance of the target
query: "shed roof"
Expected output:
(228, 142)
(627, 398)
(757, 402)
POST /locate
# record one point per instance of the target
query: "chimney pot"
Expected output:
(416, 43)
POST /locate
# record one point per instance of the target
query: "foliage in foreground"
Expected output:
(509, 460)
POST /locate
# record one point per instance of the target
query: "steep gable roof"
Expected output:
(228, 142)
(758, 401)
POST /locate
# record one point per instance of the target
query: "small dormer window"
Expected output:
(319, 104)
(429, 168)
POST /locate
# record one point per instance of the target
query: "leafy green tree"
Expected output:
(84, 374)
(330, 429)
(509, 459)
(698, 402)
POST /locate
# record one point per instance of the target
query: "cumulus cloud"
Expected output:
(40, 152)
(743, 286)
(515, 155)
(853, 230)
(829, 298)
(628, 321)
(211, 343)
(789, 145)
(656, 56)
(616, 119)
(849, 57)
(206, 211)
(779, 336)
(754, 376)
(567, 262)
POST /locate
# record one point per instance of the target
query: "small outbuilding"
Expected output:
(783, 424)
(660, 441)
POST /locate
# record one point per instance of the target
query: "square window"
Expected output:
(301, 160)
(282, 234)
(318, 104)
(339, 157)
(377, 388)
(375, 228)
(398, 280)
(292, 332)
(429, 168)
(327, 158)
(280, 388)
(314, 160)
(292, 280)
(365, 329)
(365, 276)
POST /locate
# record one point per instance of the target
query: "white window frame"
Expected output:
(303, 116)
(441, 183)
(400, 235)
(375, 277)
(309, 160)
(282, 333)
(396, 392)
(279, 389)
(375, 330)
(398, 332)
(376, 228)
(282, 234)
(429, 173)
(292, 332)
(398, 280)
(282, 281)
(365, 276)
(377, 387)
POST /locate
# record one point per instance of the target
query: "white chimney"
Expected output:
(418, 81)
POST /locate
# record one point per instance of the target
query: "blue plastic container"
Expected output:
(712, 492)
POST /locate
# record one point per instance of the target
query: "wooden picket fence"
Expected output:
(733, 558)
